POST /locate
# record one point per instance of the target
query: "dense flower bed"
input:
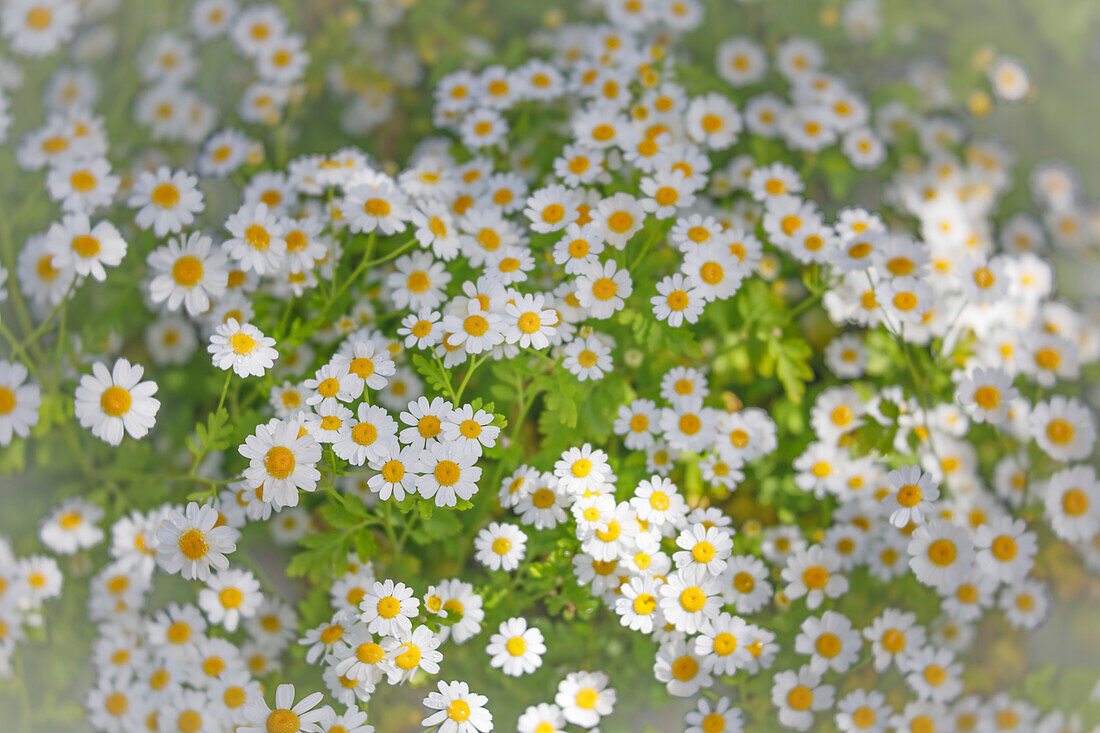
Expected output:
(645, 372)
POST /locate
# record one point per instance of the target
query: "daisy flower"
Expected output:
(187, 272)
(551, 209)
(500, 546)
(418, 281)
(282, 461)
(368, 361)
(798, 695)
(375, 202)
(933, 674)
(243, 348)
(19, 402)
(475, 330)
(1025, 605)
(37, 28)
(717, 718)
(863, 711)
(448, 472)
(583, 470)
(257, 240)
(579, 248)
(724, 647)
(425, 421)
(1006, 550)
(333, 382)
(111, 402)
(71, 527)
(359, 661)
(286, 716)
(528, 323)
(82, 185)
(813, 573)
(745, 583)
(190, 544)
(396, 467)
(388, 608)
(829, 641)
(166, 201)
(516, 649)
(677, 301)
(1064, 428)
(658, 500)
(986, 394)
(678, 668)
(585, 698)
(457, 710)
(229, 596)
(321, 640)
(371, 435)
(471, 429)
(587, 358)
(637, 606)
(940, 554)
(705, 547)
(713, 271)
(690, 600)
(636, 422)
(542, 718)
(712, 120)
(422, 330)
(603, 288)
(87, 249)
(912, 497)
(411, 652)
(1072, 502)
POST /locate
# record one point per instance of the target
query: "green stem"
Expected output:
(205, 447)
(469, 373)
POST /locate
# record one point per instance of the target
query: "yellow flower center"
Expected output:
(389, 607)
(283, 721)
(193, 544)
(800, 698)
(165, 195)
(231, 597)
(693, 599)
(279, 462)
(942, 552)
(447, 473)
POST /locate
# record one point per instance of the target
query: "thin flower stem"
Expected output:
(469, 373)
(205, 447)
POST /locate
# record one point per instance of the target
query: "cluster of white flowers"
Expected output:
(351, 303)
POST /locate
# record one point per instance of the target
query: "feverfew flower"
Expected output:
(71, 527)
(19, 402)
(166, 201)
(585, 697)
(229, 596)
(282, 461)
(500, 546)
(912, 497)
(812, 572)
(457, 709)
(388, 608)
(243, 348)
(798, 695)
(516, 649)
(190, 544)
(87, 249)
(110, 402)
(188, 272)
(286, 716)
